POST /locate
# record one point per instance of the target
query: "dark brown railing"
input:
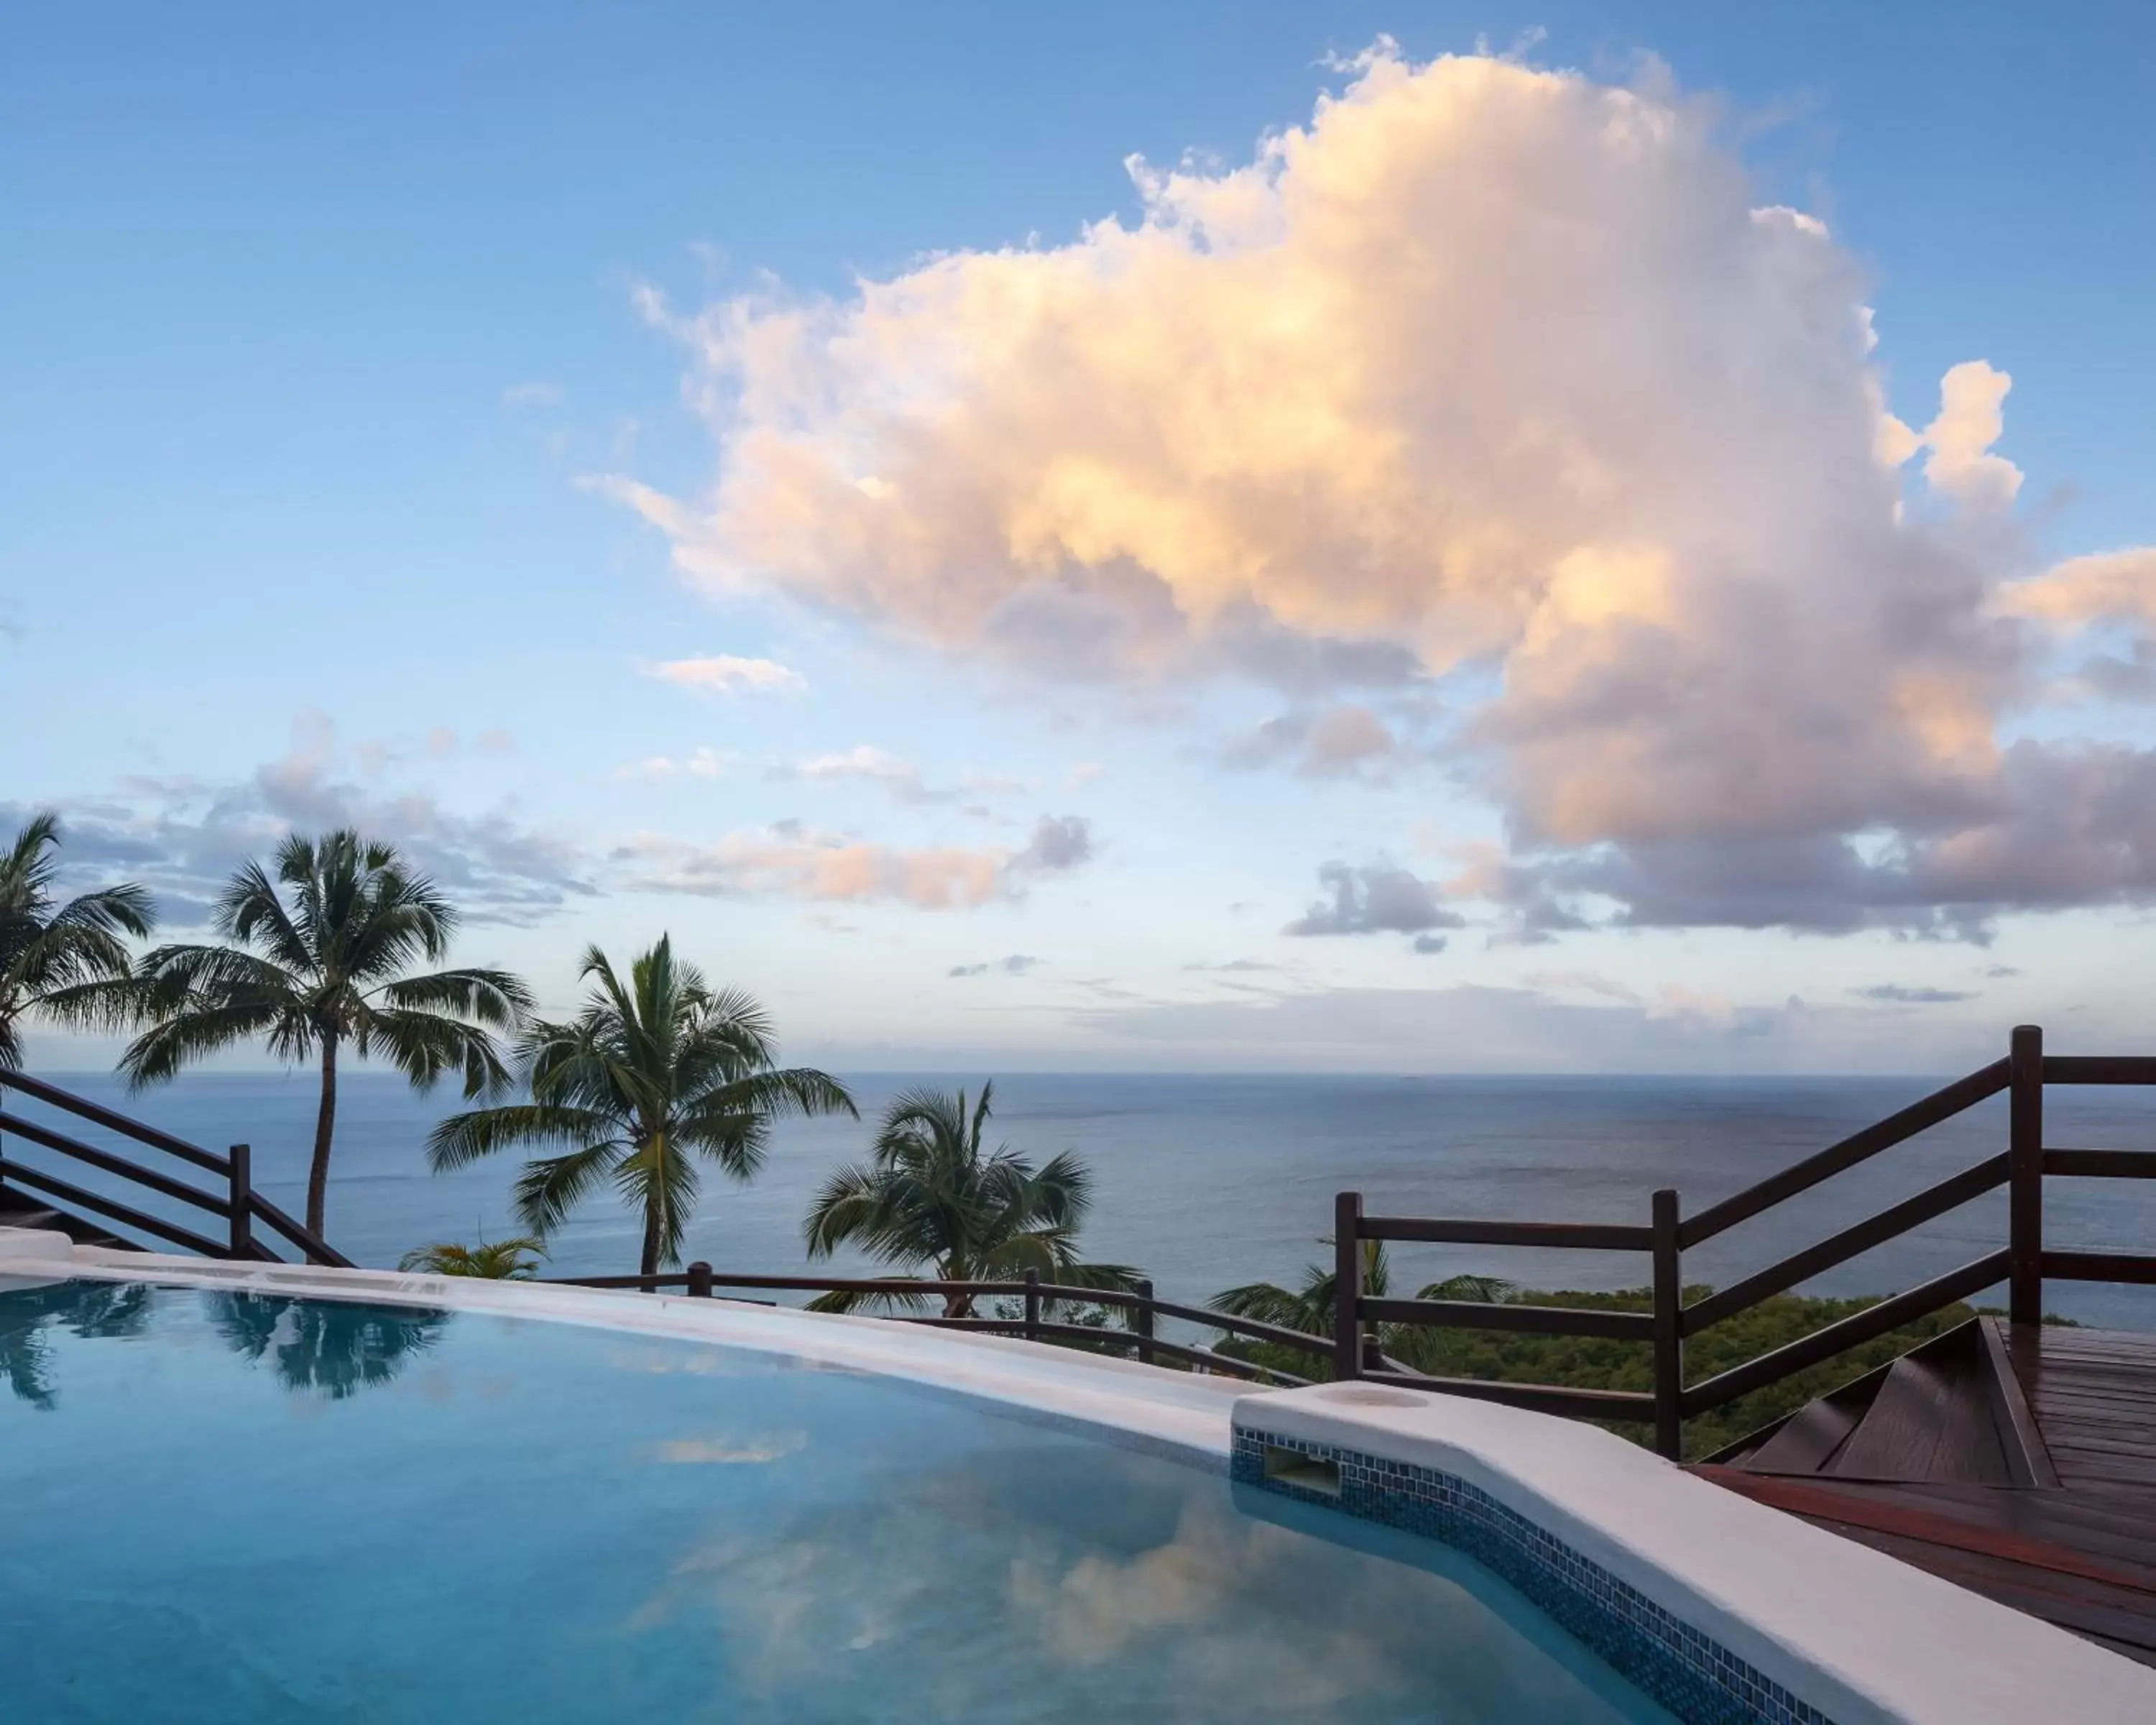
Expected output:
(234, 1201)
(2023, 1263)
(1143, 1338)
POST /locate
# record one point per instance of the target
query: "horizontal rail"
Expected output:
(2099, 1068)
(2102, 1164)
(70, 1103)
(1933, 1201)
(1630, 1404)
(2139, 1267)
(1943, 1104)
(111, 1164)
(1503, 1314)
(1578, 1236)
(1851, 1332)
(1254, 1329)
(125, 1215)
(317, 1250)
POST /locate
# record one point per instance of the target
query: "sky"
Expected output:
(1277, 537)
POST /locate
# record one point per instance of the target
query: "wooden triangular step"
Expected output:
(1949, 1412)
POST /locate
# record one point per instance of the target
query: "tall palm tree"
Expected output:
(651, 1074)
(929, 1197)
(328, 970)
(66, 963)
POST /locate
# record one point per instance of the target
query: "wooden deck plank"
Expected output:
(2081, 1555)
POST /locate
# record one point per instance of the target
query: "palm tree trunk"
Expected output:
(648, 1265)
(318, 1172)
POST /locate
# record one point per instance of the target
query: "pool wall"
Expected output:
(1724, 1610)
(1720, 1608)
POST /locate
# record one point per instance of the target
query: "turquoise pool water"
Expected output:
(243, 1509)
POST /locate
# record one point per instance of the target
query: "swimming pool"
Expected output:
(224, 1505)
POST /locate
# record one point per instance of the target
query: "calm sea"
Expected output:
(1207, 1182)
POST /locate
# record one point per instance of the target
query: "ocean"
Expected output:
(1205, 1182)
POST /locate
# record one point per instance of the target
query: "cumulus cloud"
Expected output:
(724, 674)
(1015, 965)
(1900, 995)
(1487, 373)
(704, 762)
(1377, 901)
(789, 860)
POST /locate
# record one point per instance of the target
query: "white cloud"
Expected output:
(791, 860)
(1486, 368)
(724, 674)
(705, 762)
(533, 394)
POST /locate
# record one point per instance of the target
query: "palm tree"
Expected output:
(65, 963)
(928, 1197)
(1311, 1307)
(326, 971)
(513, 1259)
(648, 1077)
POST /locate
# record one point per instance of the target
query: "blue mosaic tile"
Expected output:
(1697, 1679)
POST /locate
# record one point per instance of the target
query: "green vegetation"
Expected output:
(1584, 1363)
(65, 963)
(651, 1074)
(929, 1197)
(513, 1260)
(326, 971)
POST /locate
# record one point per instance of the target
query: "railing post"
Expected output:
(2024, 1148)
(1669, 1331)
(240, 1206)
(1033, 1305)
(700, 1280)
(1142, 1321)
(1348, 1284)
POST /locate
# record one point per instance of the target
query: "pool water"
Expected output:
(243, 1508)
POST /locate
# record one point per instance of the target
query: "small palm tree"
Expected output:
(930, 1198)
(513, 1259)
(650, 1075)
(66, 963)
(1311, 1307)
(325, 972)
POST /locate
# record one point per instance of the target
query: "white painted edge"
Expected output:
(1179, 1412)
(1860, 1635)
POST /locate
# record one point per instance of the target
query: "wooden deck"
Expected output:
(2075, 1545)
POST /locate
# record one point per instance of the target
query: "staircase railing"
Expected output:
(232, 1200)
(2024, 1263)
(1035, 1324)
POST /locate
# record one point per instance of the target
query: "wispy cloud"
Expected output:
(1898, 995)
(533, 394)
(725, 673)
(790, 859)
(1015, 965)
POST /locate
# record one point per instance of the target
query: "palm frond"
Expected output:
(464, 1138)
(551, 1187)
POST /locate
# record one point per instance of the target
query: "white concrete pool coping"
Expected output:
(1856, 1634)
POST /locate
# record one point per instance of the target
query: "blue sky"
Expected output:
(334, 346)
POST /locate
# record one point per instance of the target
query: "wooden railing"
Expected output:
(2023, 1263)
(1036, 1322)
(232, 1201)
